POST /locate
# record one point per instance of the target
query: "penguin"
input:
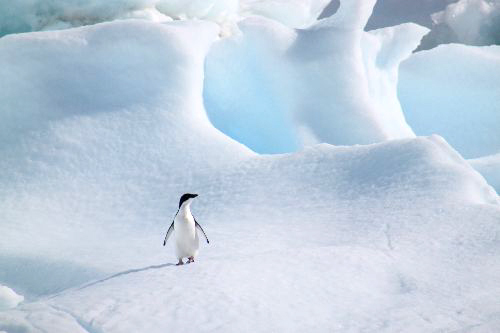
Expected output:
(185, 227)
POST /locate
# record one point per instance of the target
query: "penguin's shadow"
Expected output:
(134, 270)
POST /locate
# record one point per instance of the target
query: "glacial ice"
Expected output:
(36, 15)
(8, 298)
(472, 22)
(300, 90)
(489, 167)
(453, 90)
(103, 127)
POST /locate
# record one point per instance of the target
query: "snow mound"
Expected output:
(86, 113)
(300, 91)
(453, 90)
(387, 235)
(9, 298)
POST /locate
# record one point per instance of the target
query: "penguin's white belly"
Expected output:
(186, 238)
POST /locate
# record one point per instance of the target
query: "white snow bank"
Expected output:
(453, 90)
(330, 83)
(292, 13)
(383, 237)
(9, 298)
(489, 167)
(85, 114)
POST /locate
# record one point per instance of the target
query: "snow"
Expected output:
(489, 167)
(292, 13)
(102, 110)
(453, 90)
(386, 236)
(36, 15)
(103, 127)
(300, 90)
(9, 298)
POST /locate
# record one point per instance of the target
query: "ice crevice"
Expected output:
(88, 327)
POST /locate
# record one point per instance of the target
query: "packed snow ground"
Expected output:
(394, 236)
(103, 127)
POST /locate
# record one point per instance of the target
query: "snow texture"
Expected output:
(9, 298)
(453, 90)
(86, 114)
(103, 127)
(489, 167)
(300, 90)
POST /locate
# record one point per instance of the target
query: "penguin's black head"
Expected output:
(186, 197)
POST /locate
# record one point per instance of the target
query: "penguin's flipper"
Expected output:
(169, 232)
(198, 226)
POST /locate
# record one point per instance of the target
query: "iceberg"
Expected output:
(301, 90)
(103, 126)
(453, 90)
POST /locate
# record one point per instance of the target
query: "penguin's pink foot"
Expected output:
(179, 263)
(190, 260)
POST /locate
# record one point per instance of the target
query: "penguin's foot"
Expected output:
(190, 260)
(179, 263)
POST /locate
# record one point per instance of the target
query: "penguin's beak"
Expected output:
(195, 195)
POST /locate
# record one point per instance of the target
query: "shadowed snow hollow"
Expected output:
(331, 83)
(453, 90)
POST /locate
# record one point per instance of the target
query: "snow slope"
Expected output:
(103, 127)
(489, 167)
(83, 121)
(393, 236)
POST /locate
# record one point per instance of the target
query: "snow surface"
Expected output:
(103, 127)
(8, 298)
(489, 167)
(80, 103)
(299, 91)
(387, 236)
(453, 90)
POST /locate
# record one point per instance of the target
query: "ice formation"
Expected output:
(453, 90)
(377, 230)
(35, 15)
(77, 104)
(472, 22)
(103, 126)
(301, 88)
(489, 167)
(8, 298)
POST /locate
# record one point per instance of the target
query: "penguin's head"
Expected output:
(187, 197)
